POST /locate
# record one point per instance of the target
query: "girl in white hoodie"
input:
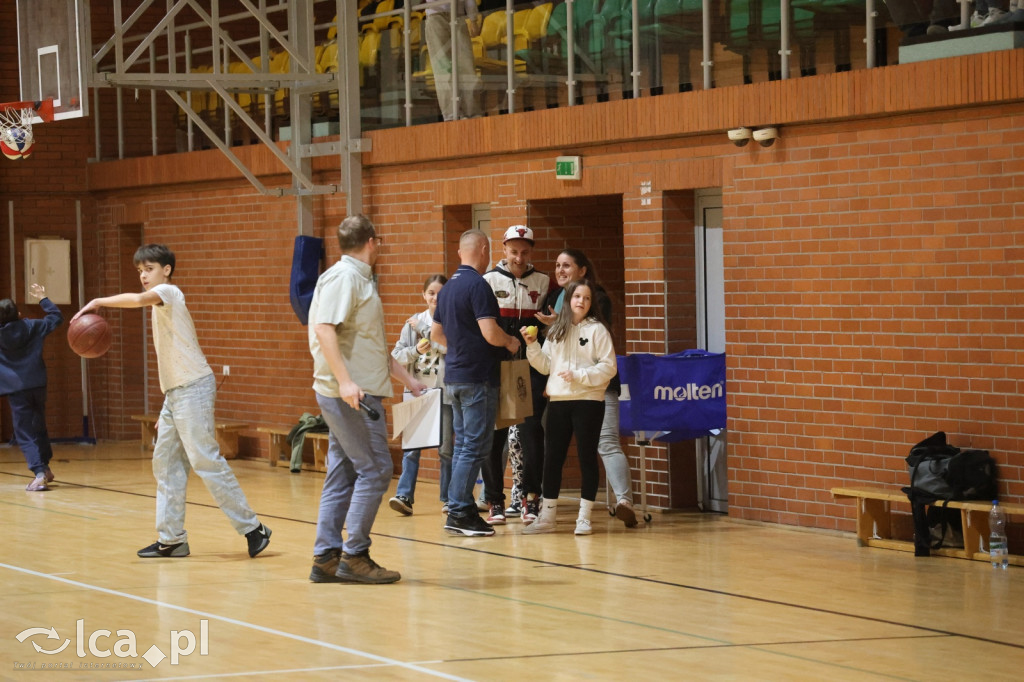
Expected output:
(579, 359)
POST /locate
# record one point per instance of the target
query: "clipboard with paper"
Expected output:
(418, 420)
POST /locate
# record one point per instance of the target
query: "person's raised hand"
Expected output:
(547, 318)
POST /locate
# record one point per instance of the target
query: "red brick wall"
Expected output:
(873, 297)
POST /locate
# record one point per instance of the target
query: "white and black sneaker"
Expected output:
(471, 525)
(159, 549)
(401, 504)
(258, 539)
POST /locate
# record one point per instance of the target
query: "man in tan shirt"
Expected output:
(351, 376)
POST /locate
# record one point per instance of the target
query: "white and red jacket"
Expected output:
(519, 299)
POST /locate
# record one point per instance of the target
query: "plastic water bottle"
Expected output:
(997, 548)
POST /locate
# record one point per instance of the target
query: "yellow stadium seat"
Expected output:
(280, 63)
(211, 102)
(489, 46)
(533, 29)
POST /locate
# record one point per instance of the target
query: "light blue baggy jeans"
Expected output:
(616, 466)
(358, 474)
(187, 440)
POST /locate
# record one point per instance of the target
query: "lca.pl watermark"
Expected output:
(99, 645)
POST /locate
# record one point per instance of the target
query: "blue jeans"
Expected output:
(474, 407)
(411, 461)
(186, 439)
(358, 474)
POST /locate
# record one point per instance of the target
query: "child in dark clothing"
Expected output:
(23, 381)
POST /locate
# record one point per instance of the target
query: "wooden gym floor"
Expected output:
(691, 597)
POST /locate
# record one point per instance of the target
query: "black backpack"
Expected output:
(940, 472)
(945, 472)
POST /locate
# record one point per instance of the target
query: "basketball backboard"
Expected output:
(54, 54)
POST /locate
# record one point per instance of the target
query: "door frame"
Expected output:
(711, 459)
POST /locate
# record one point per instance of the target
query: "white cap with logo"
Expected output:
(518, 232)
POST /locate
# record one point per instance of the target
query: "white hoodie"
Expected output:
(586, 350)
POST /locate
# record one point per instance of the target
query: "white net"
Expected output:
(16, 127)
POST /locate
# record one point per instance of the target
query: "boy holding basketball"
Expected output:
(23, 381)
(186, 435)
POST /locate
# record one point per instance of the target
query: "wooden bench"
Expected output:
(281, 449)
(227, 433)
(875, 526)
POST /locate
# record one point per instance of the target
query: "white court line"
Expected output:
(247, 673)
(240, 623)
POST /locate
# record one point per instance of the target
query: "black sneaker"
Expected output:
(159, 549)
(468, 525)
(258, 539)
(324, 567)
(401, 504)
(514, 509)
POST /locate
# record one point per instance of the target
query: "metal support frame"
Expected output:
(510, 57)
(707, 64)
(869, 33)
(635, 57)
(301, 81)
(453, 25)
(300, 21)
(348, 108)
(407, 58)
(570, 76)
(785, 51)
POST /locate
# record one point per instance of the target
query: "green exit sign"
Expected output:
(567, 167)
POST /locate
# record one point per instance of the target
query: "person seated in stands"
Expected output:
(988, 12)
(923, 17)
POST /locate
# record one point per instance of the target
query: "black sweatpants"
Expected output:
(565, 418)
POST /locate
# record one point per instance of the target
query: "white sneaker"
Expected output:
(541, 525)
(583, 527)
(994, 13)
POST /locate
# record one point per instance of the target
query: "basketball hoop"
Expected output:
(16, 118)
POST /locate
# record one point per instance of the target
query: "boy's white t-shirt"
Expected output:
(178, 356)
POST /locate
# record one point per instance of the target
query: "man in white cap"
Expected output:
(520, 290)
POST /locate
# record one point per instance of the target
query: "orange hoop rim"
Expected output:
(27, 111)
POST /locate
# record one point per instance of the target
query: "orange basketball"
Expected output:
(90, 336)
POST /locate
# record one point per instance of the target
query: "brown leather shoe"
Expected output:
(360, 568)
(324, 567)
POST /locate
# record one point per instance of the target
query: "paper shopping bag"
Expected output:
(515, 399)
(418, 420)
